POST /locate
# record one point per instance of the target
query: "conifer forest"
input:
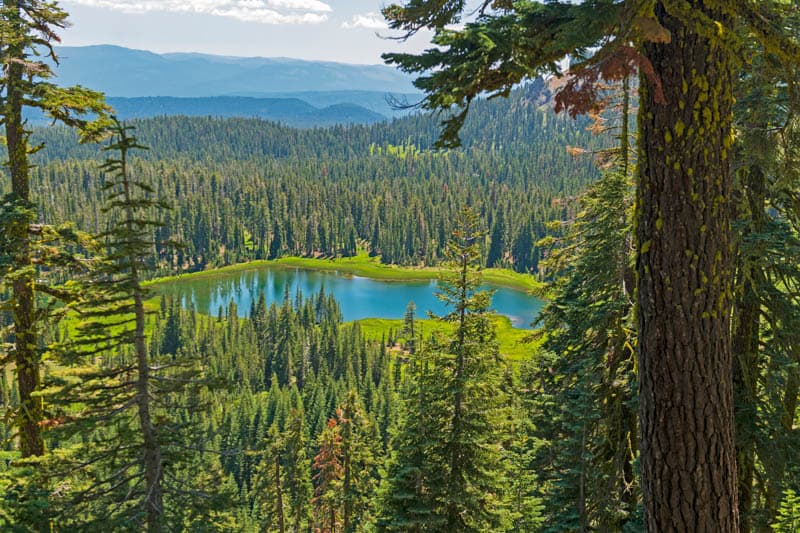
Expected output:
(632, 164)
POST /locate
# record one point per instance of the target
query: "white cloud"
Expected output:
(370, 21)
(261, 11)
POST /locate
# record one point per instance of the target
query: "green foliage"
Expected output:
(582, 390)
(509, 42)
(246, 189)
(788, 519)
(328, 494)
(766, 370)
(121, 412)
(29, 251)
(448, 473)
(332, 426)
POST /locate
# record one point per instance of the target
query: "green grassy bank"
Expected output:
(369, 267)
(513, 342)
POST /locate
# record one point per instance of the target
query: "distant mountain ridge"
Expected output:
(142, 84)
(119, 71)
(289, 111)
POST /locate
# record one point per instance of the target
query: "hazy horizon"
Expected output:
(341, 31)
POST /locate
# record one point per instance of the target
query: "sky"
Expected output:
(346, 31)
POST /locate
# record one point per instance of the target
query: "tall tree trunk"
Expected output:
(153, 472)
(684, 290)
(24, 307)
(347, 485)
(746, 331)
(151, 448)
(455, 476)
(279, 495)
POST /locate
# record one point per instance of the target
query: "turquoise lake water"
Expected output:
(358, 297)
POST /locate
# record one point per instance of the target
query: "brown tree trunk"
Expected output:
(746, 331)
(347, 483)
(684, 282)
(153, 472)
(279, 495)
(151, 448)
(24, 308)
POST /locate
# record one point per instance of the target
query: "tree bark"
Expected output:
(279, 495)
(151, 448)
(746, 332)
(153, 472)
(24, 308)
(684, 289)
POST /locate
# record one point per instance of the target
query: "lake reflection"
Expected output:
(358, 297)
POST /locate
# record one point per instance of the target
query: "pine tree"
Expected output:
(409, 327)
(131, 244)
(416, 462)
(686, 53)
(450, 476)
(358, 464)
(29, 32)
(580, 391)
(765, 342)
(124, 458)
(328, 479)
(496, 243)
(270, 485)
(474, 490)
(298, 480)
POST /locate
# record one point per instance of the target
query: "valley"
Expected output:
(519, 266)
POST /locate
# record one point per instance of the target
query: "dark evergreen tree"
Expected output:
(458, 482)
(328, 479)
(497, 242)
(30, 31)
(765, 342)
(124, 448)
(581, 393)
(683, 192)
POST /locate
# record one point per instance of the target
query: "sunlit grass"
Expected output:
(369, 267)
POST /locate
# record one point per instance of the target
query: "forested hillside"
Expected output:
(290, 111)
(659, 390)
(249, 189)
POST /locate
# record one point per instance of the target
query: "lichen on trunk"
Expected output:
(684, 282)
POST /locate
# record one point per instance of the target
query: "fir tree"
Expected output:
(497, 243)
(580, 391)
(328, 479)
(358, 464)
(30, 31)
(683, 193)
(409, 329)
(136, 415)
(298, 480)
(270, 484)
(451, 476)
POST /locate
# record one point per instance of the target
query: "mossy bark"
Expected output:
(684, 282)
(26, 355)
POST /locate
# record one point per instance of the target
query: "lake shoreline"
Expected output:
(365, 266)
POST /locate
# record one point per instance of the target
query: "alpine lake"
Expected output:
(359, 297)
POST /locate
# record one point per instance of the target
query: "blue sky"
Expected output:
(331, 30)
